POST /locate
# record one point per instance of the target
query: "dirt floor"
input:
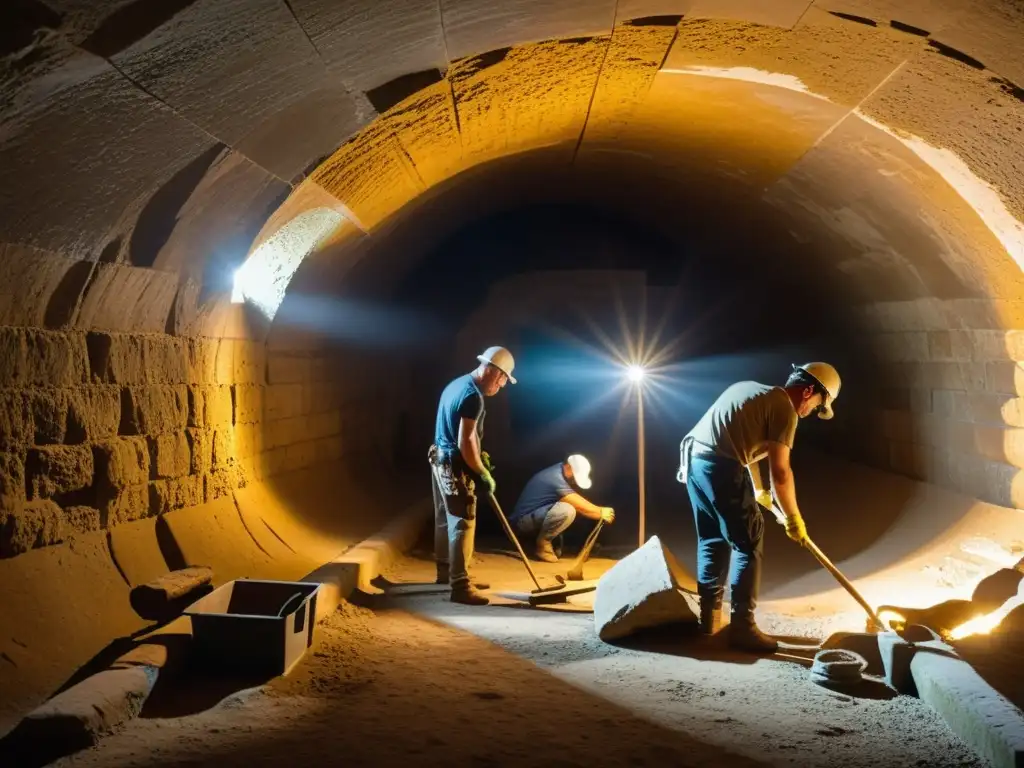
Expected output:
(408, 678)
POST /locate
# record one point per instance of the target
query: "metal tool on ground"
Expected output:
(780, 516)
(576, 571)
(553, 594)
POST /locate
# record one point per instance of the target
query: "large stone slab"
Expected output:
(646, 589)
(992, 726)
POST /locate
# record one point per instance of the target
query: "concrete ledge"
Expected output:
(974, 711)
(359, 566)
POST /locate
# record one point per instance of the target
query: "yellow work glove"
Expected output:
(795, 529)
(608, 515)
(764, 498)
(485, 457)
(488, 482)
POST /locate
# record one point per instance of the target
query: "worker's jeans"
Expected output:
(454, 536)
(546, 524)
(728, 521)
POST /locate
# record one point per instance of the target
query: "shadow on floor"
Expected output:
(197, 689)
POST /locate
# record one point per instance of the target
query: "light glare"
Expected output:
(635, 373)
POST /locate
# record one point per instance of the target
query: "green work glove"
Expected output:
(764, 498)
(488, 482)
(485, 457)
(795, 529)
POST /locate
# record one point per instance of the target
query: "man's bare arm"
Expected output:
(582, 506)
(783, 484)
(469, 445)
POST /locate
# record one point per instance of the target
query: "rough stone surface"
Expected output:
(153, 409)
(975, 712)
(16, 427)
(167, 595)
(49, 415)
(94, 413)
(78, 717)
(176, 493)
(30, 358)
(122, 462)
(170, 454)
(31, 525)
(126, 504)
(642, 591)
(58, 469)
(12, 479)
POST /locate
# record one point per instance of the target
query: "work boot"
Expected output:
(545, 552)
(443, 576)
(710, 609)
(468, 595)
(744, 635)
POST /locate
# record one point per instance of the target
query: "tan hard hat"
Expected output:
(828, 377)
(501, 359)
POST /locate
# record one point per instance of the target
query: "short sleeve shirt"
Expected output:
(544, 489)
(461, 399)
(744, 419)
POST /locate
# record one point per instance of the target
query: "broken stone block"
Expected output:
(29, 526)
(642, 591)
(171, 456)
(165, 359)
(122, 462)
(94, 413)
(167, 596)
(58, 469)
(49, 415)
(154, 409)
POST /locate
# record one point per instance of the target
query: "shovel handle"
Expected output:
(836, 573)
(512, 537)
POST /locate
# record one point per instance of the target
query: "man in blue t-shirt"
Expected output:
(457, 464)
(550, 501)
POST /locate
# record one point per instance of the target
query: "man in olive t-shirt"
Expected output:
(748, 422)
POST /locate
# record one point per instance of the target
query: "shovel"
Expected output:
(553, 594)
(780, 516)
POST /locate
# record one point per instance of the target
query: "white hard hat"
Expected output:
(501, 359)
(580, 470)
(828, 378)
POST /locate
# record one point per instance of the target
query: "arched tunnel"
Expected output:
(245, 245)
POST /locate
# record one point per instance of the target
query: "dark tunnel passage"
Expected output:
(244, 245)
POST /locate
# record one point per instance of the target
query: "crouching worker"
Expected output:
(748, 422)
(550, 502)
(457, 468)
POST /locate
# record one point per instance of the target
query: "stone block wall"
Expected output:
(944, 402)
(99, 429)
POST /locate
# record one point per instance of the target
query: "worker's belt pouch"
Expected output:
(454, 484)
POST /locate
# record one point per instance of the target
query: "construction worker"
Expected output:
(719, 464)
(550, 502)
(457, 466)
